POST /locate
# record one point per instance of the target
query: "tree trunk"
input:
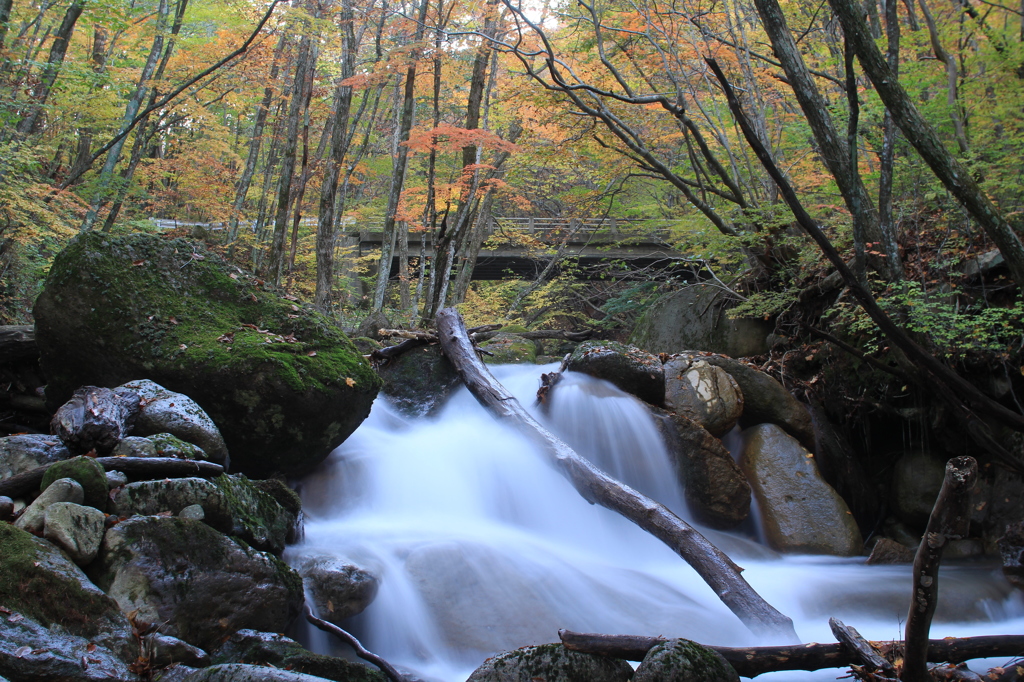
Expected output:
(952, 78)
(886, 221)
(720, 573)
(58, 49)
(5, 18)
(953, 175)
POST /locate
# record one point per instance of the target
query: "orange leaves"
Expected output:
(449, 138)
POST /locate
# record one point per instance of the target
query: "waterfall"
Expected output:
(481, 546)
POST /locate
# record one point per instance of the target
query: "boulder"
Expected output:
(800, 512)
(419, 381)
(509, 349)
(95, 419)
(134, 446)
(282, 381)
(271, 649)
(703, 392)
(888, 551)
(87, 472)
(165, 650)
(680, 660)
(199, 584)
(695, 318)
(167, 412)
(231, 504)
(240, 672)
(766, 401)
(372, 324)
(33, 519)
(551, 663)
(31, 651)
(916, 480)
(717, 492)
(631, 369)
(339, 589)
(38, 582)
(76, 529)
(19, 454)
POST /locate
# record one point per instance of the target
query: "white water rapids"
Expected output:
(483, 547)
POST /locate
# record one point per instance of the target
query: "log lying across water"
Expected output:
(753, 661)
(132, 467)
(717, 570)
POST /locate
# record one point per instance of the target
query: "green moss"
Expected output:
(89, 474)
(169, 445)
(279, 490)
(685, 661)
(256, 516)
(31, 582)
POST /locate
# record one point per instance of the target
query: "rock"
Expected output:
(695, 318)
(174, 673)
(371, 325)
(282, 381)
(239, 672)
(19, 454)
(631, 369)
(680, 660)
(116, 479)
(6, 508)
(339, 589)
(509, 349)
(165, 411)
(134, 446)
(704, 393)
(76, 529)
(231, 504)
(194, 512)
(800, 512)
(887, 551)
(198, 583)
(62, 490)
(766, 401)
(95, 419)
(916, 480)
(30, 651)
(419, 381)
(551, 663)
(38, 582)
(165, 650)
(902, 533)
(88, 473)
(1011, 549)
(717, 491)
(169, 445)
(267, 648)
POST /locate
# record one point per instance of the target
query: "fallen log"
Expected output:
(138, 468)
(413, 340)
(754, 661)
(717, 570)
(544, 334)
(18, 342)
(860, 647)
(96, 419)
(949, 520)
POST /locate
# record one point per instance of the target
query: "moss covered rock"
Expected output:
(419, 381)
(88, 472)
(198, 583)
(509, 349)
(631, 369)
(282, 382)
(551, 663)
(266, 648)
(680, 660)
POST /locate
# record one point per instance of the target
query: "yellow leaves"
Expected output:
(350, 382)
(449, 138)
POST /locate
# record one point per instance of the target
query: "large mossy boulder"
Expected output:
(419, 381)
(282, 382)
(680, 660)
(800, 512)
(634, 371)
(551, 663)
(199, 584)
(696, 318)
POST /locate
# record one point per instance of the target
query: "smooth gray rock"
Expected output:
(62, 490)
(703, 392)
(164, 411)
(273, 649)
(116, 479)
(339, 589)
(194, 512)
(134, 446)
(200, 584)
(165, 650)
(19, 454)
(76, 529)
(29, 651)
(551, 663)
(634, 371)
(680, 660)
(239, 672)
(800, 512)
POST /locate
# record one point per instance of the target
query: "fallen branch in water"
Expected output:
(361, 652)
(860, 647)
(412, 341)
(754, 661)
(717, 570)
(132, 467)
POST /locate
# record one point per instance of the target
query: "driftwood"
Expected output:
(18, 342)
(949, 520)
(753, 661)
(548, 381)
(412, 341)
(717, 570)
(543, 334)
(138, 468)
(859, 646)
(361, 651)
(96, 419)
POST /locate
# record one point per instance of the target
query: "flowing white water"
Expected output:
(483, 547)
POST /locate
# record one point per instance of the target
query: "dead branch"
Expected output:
(138, 468)
(860, 647)
(361, 652)
(717, 570)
